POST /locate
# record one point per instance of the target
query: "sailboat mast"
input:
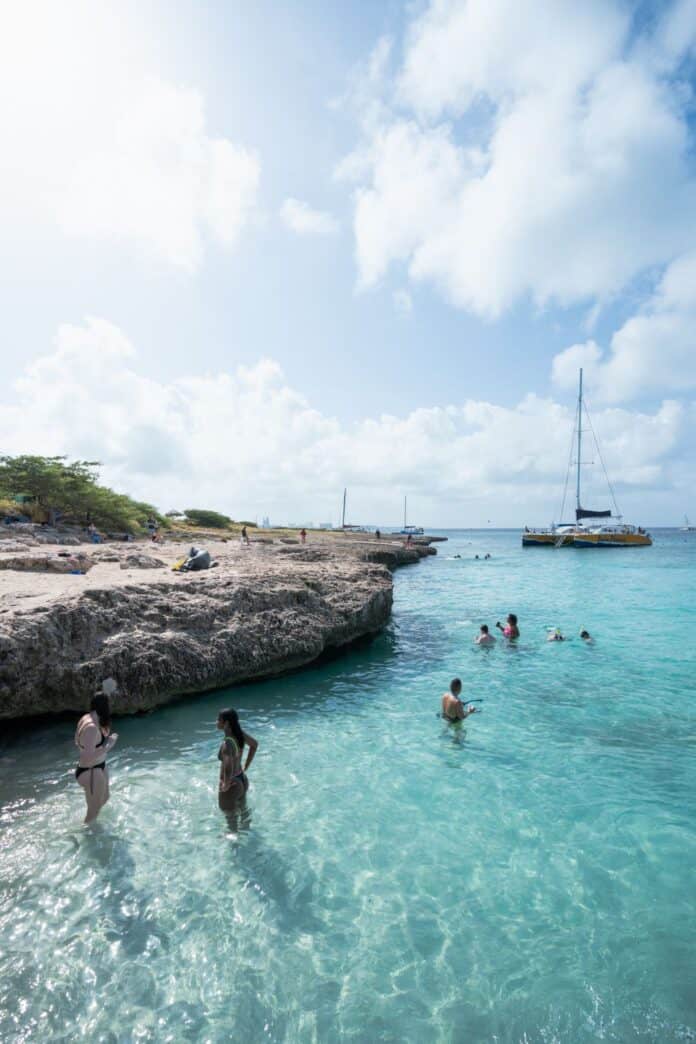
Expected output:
(405, 512)
(343, 516)
(577, 481)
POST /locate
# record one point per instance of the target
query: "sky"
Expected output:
(254, 254)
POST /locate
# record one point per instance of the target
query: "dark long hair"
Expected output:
(100, 704)
(231, 717)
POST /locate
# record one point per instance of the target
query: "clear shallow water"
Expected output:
(529, 877)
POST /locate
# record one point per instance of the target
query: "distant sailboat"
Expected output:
(686, 528)
(345, 525)
(568, 534)
(410, 530)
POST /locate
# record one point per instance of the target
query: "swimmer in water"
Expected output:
(452, 707)
(484, 638)
(233, 780)
(510, 630)
(555, 636)
(586, 636)
(95, 739)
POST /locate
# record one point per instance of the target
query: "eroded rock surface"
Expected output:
(161, 634)
(52, 563)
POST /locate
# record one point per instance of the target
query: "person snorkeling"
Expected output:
(233, 783)
(555, 636)
(453, 709)
(586, 636)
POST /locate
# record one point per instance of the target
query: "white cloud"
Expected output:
(299, 217)
(98, 146)
(245, 442)
(530, 151)
(654, 350)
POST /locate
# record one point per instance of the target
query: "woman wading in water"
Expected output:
(95, 739)
(233, 781)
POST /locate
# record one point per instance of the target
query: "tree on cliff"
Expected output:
(54, 486)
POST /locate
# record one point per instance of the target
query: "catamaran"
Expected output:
(614, 533)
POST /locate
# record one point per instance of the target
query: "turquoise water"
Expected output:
(529, 877)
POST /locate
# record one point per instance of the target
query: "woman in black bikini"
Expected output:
(233, 781)
(94, 739)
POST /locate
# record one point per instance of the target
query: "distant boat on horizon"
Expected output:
(346, 526)
(410, 530)
(615, 533)
(686, 528)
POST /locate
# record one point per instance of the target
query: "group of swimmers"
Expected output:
(453, 708)
(94, 739)
(511, 631)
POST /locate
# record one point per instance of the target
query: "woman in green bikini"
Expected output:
(233, 781)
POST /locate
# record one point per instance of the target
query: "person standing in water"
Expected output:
(452, 707)
(233, 780)
(484, 638)
(95, 739)
(510, 630)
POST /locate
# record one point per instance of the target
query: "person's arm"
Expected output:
(499, 626)
(468, 711)
(253, 747)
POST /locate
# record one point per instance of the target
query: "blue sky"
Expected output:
(257, 252)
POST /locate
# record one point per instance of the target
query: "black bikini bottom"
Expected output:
(81, 768)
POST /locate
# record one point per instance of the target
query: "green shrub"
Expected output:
(201, 517)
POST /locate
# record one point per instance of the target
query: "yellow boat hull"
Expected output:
(613, 540)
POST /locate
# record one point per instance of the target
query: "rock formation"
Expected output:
(263, 611)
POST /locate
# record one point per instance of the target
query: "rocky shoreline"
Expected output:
(263, 610)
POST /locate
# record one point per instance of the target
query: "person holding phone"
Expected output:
(510, 630)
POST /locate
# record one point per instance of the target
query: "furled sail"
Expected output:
(581, 512)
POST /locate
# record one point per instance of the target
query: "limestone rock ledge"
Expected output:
(163, 635)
